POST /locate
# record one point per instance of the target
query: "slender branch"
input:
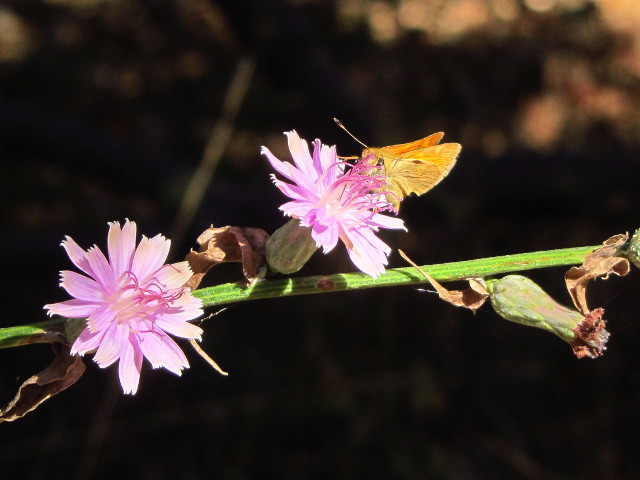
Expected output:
(41, 332)
(239, 292)
(483, 267)
(215, 149)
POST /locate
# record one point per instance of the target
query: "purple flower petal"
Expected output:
(175, 325)
(102, 271)
(129, 300)
(175, 275)
(121, 244)
(162, 351)
(336, 204)
(149, 257)
(300, 153)
(77, 255)
(86, 342)
(130, 367)
(73, 308)
(79, 286)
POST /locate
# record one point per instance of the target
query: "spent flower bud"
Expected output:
(290, 247)
(519, 299)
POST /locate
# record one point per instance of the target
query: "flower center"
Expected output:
(136, 300)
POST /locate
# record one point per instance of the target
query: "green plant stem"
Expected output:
(239, 292)
(40, 332)
(444, 272)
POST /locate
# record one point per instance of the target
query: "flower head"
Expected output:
(519, 299)
(131, 301)
(336, 202)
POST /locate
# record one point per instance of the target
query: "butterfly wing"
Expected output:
(420, 170)
(402, 148)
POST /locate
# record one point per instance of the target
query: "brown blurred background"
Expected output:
(108, 106)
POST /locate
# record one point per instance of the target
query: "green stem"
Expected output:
(40, 332)
(444, 272)
(239, 292)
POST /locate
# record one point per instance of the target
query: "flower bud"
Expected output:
(519, 299)
(633, 252)
(290, 247)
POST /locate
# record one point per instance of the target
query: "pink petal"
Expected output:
(81, 287)
(174, 275)
(290, 172)
(294, 191)
(366, 264)
(385, 221)
(300, 153)
(162, 351)
(328, 157)
(317, 161)
(102, 271)
(114, 343)
(330, 164)
(187, 301)
(374, 243)
(176, 325)
(121, 244)
(367, 257)
(101, 319)
(86, 342)
(296, 208)
(283, 168)
(325, 235)
(130, 366)
(77, 255)
(149, 257)
(73, 308)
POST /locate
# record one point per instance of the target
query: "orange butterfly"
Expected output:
(414, 167)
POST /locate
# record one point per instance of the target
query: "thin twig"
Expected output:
(216, 147)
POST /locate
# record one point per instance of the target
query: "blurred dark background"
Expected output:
(106, 109)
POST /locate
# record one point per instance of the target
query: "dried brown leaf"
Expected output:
(471, 298)
(600, 263)
(64, 371)
(228, 244)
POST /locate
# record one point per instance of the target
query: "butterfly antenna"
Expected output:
(339, 123)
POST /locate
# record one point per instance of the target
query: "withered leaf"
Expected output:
(600, 263)
(471, 298)
(228, 244)
(64, 371)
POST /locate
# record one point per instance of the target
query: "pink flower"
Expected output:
(334, 203)
(131, 302)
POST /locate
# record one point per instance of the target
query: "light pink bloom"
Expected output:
(335, 202)
(131, 302)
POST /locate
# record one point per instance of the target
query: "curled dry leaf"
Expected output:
(228, 244)
(64, 371)
(600, 263)
(471, 298)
